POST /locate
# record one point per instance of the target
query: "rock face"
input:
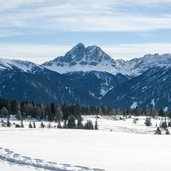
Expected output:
(81, 58)
(88, 76)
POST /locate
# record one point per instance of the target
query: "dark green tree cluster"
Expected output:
(70, 114)
(148, 121)
(146, 112)
(57, 113)
(50, 112)
(77, 123)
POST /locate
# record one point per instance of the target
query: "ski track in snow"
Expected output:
(12, 158)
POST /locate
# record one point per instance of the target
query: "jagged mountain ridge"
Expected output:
(88, 76)
(93, 58)
(81, 58)
(24, 66)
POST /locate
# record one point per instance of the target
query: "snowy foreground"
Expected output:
(117, 146)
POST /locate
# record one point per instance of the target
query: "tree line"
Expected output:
(55, 112)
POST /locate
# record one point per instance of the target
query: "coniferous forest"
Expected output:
(55, 112)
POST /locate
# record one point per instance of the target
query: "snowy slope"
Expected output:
(138, 66)
(122, 149)
(24, 66)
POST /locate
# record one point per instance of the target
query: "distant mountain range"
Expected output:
(89, 76)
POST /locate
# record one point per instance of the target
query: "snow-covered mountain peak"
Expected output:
(157, 59)
(137, 66)
(75, 54)
(95, 53)
(4, 64)
(93, 58)
(81, 53)
(24, 66)
(81, 58)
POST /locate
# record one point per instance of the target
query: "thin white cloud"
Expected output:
(43, 53)
(110, 24)
(18, 3)
(81, 15)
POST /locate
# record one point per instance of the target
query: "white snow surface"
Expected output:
(132, 67)
(118, 145)
(101, 67)
(24, 66)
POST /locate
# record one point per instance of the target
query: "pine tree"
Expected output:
(88, 125)
(158, 131)
(22, 125)
(18, 112)
(58, 114)
(96, 125)
(49, 125)
(163, 125)
(148, 121)
(167, 132)
(169, 124)
(71, 122)
(79, 123)
(42, 125)
(34, 125)
(65, 113)
(59, 125)
(30, 125)
(4, 112)
(38, 112)
(161, 112)
(8, 122)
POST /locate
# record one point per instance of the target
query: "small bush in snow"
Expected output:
(71, 122)
(22, 125)
(88, 125)
(42, 125)
(79, 123)
(59, 125)
(167, 132)
(158, 131)
(169, 124)
(148, 121)
(17, 126)
(163, 125)
(30, 125)
(96, 125)
(34, 125)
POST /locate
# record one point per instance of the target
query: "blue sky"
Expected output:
(40, 30)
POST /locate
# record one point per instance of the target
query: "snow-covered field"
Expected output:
(118, 145)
